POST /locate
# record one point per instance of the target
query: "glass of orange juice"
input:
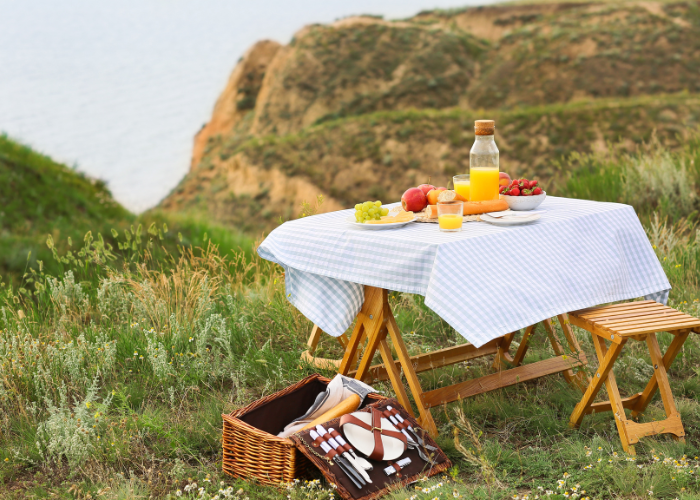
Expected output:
(450, 216)
(462, 185)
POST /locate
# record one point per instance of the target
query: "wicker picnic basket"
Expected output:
(251, 446)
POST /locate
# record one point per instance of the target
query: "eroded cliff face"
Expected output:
(362, 108)
(239, 96)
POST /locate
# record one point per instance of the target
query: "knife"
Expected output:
(342, 451)
(339, 461)
(404, 462)
(365, 464)
(411, 442)
(410, 428)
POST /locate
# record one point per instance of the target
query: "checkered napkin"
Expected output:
(485, 281)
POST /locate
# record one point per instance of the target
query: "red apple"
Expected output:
(426, 188)
(504, 179)
(414, 200)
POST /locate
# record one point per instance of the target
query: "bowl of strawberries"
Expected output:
(523, 194)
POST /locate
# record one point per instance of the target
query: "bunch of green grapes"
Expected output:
(369, 210)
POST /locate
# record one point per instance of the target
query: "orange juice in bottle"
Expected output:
(483, 163)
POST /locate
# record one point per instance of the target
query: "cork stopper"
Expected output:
(484, 127)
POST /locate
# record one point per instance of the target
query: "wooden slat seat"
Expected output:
(634, 318)
(617, 324)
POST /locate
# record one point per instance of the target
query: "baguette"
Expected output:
(431, 212)
(450, 195)
(482, 207)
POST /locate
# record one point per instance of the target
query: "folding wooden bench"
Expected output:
(617, 324)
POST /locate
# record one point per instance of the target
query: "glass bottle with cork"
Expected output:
(483, 163)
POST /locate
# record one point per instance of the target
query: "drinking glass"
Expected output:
(450, 216)
(462, 185)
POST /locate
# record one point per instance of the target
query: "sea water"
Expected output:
(119, 88)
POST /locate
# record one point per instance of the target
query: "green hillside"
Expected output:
(377, 155)
(40, 198)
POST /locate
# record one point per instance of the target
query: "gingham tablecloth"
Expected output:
(485, 281)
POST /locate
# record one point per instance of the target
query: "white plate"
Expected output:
(510, 221)
(363, 441)
(391, 225)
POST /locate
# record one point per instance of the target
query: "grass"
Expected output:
(40, 197)
(115, 370)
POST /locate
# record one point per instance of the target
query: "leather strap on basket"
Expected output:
(376, 430)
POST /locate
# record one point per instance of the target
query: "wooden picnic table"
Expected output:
(376, 325)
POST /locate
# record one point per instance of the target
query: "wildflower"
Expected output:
(589, 453)
(455, 494)
(600, 448)
(566, 474)
(7, 459)
(191, 339)
(178, 493)
(640, 466)
(87, 404)
(614, 453)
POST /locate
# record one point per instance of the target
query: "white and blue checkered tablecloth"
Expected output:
(485, 281)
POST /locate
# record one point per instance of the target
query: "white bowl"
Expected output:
(522, 203)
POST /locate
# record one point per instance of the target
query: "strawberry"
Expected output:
(533, 184)
(504, 189)
(526, 184)
(514, 192)
(537, 190)
(527, 192)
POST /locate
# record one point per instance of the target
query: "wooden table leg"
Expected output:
(580, 377)
(395, 375)
(426, 418)
(524, 344)
(369, 319)
(557, 347)
(374, 321)
(502, 356)
(312, 344)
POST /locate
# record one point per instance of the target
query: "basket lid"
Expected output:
(373, 435)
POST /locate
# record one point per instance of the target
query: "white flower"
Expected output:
(178, 493)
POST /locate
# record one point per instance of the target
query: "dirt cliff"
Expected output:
(361, 108)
